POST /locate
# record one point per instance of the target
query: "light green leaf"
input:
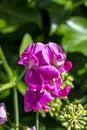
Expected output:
(78, 24)
(27, 39)
(9, 29)
(2, 23)
(75, 38)
(75, 42)
(22, 87)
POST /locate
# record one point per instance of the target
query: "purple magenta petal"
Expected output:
(48, 72)
(31, 99)
(36, 100)
(42, 104)
(59, 59)
(28, 60)
(28, 57)
(46, 98)
(34, 48)
(3, 114)
(55, 48)
(33, 79)
(57, 84)
(65, 67)
(44, 56)
(33, 128)
(37, 107)
(63, 93)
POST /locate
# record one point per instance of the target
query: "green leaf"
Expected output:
(78, 24)
(1, 127)
(22, 87)
(3, 23)
(27, 39)
(42, 126)
(75, 38)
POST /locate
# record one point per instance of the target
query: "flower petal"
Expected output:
(28, 57)
(3, 115)
(48, 72)
(44, 56)
(65, 67)
(34, 48)
(33, 128)
(63, 93)
(55, 48)
(57, 85)
(31, 99)
(42, 104)
(33, 79)
(46, 98)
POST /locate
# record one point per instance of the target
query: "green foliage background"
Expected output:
(60, 21)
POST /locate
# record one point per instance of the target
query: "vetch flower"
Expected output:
(43, 86)
(3, 114)
(45, 64)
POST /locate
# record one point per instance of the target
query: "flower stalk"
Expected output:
(5, 64)
(37, 120)
(16, 109)
(6, 86)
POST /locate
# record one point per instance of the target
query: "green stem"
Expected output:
(5, 64)
(37, 120)
(6, 86)
(7, 127)
(15, 95)
(20, 77)
(16, 108)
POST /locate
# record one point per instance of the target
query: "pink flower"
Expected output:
(33, 128)
(3, 114)
(43, 86)
(44, 64)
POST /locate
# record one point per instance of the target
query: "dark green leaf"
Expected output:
(5, 94)
(15, 13)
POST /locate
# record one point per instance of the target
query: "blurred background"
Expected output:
(60, 21)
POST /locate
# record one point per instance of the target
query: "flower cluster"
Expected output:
(67, 79)
(74, 116)
(45, 64)
(3, 114)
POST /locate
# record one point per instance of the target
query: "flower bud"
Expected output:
(3, 114)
